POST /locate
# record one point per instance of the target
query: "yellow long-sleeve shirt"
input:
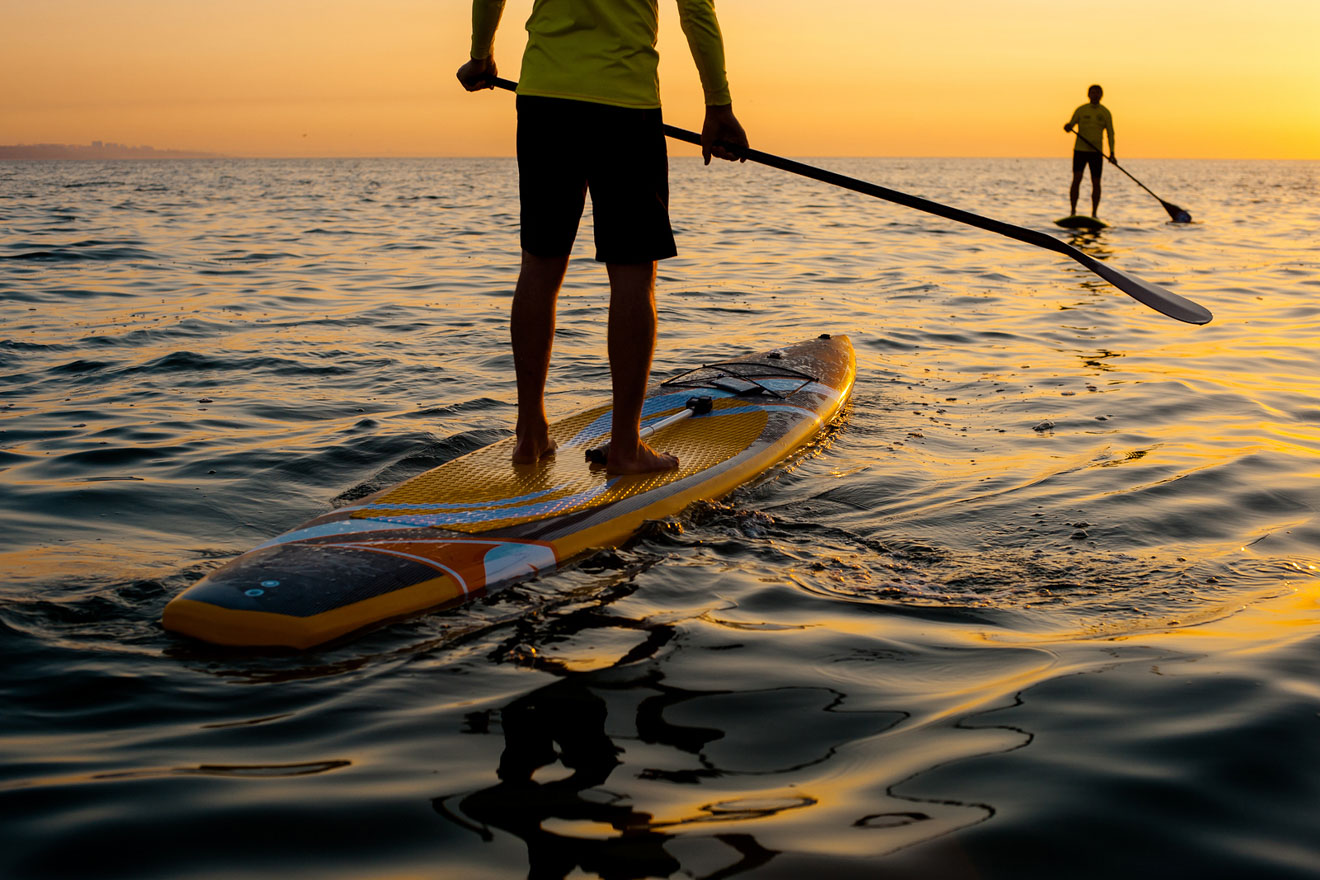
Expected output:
(604, 50)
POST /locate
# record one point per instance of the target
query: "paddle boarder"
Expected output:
(1091, 120)
(589, 120)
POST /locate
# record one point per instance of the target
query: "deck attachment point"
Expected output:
(695, 406)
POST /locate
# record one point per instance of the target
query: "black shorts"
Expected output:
(566, 148)
(1082, 158)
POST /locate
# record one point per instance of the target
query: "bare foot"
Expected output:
(533, 447)
(644, 460)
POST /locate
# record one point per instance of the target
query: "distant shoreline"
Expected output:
(97, 150)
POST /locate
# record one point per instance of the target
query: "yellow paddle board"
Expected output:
(479, 522)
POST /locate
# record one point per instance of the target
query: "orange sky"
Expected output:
(1184, 78)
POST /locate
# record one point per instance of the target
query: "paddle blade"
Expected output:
(1163, 301)
(1177, 214)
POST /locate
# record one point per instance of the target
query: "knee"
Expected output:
(537, 264)
(541, 273)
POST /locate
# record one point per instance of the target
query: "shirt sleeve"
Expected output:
(707, 44)
(485, 19)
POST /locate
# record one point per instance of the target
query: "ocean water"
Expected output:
(1042, 604)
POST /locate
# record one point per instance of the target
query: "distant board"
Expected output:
(479, 522)
(1081, 221)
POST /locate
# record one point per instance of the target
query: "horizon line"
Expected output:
(204, 156)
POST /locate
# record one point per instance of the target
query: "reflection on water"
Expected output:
(1046, 596)
(575, 822)
(585, 757)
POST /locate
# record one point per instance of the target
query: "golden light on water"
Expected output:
(944, 78)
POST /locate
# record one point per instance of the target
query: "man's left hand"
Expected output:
(721, 127)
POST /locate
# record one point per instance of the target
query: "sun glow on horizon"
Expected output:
(1184, 79)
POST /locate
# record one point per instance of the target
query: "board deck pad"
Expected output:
(1081, 221)
(479, 522)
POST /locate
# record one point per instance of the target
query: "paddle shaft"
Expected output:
(1177, 213)
(1151, 295)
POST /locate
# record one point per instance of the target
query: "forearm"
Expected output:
(485, 19)
(702, 30)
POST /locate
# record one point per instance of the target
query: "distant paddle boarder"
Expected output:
(589, 120)
(1091, 119)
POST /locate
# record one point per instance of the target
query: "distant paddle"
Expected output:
(1178, 215)
(1144, 292)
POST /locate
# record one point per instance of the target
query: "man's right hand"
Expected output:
(477, 74)
(1067, 126)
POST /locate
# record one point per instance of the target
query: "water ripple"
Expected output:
(1053, 578)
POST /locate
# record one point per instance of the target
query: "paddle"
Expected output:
(1177, 214)
(1144, 292)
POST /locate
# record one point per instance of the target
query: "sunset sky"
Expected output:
(1184, 78)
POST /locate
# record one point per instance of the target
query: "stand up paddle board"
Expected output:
(1081, 221)
(479, 522)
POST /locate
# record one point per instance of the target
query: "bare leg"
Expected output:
(532, 326)
(632, 329)
(1075, 190)
(1095, 193)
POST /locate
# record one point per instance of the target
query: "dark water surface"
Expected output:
(1044, 604)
